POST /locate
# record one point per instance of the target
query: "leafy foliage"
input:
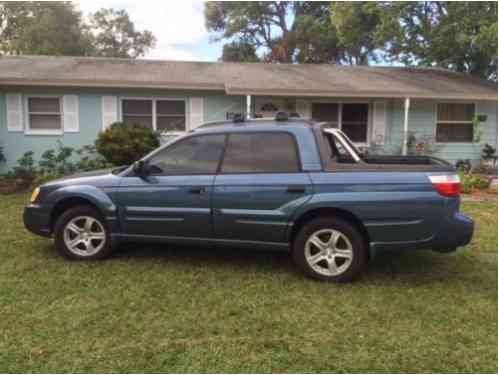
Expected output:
(488, 152)
(122, 144)
(470, 183)
(116, 35)
(239, 51)
(355, 24)
(57, 28)
(43, 28)
(283, 31)
(462, 36)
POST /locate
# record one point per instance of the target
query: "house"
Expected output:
(71, 99)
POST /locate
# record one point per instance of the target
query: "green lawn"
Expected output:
(153, 309)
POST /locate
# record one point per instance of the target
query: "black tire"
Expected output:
(357, 246)
(73, 213)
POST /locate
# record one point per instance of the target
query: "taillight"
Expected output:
(446, 185)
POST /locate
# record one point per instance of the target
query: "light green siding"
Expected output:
(216, 107)
(422, 121)
(15, 144)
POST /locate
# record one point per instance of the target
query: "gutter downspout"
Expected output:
(248, 107)
(405, 127)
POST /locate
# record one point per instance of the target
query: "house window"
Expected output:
(355, 121)
(44, 114)
(163, 115)
(138, 112)
(170, 115)
(352, 118)
(326, 112)
(454, 122)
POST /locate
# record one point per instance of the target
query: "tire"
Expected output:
(86, 224)
(314, 255)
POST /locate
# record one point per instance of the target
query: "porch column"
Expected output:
(405, 127)
(248, 107)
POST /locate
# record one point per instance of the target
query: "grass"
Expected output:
(152, 309)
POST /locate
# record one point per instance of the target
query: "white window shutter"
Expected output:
(196, 112)
(303, 107)
(70, 108)
(14, 113)
(109, 111)
(379, 122)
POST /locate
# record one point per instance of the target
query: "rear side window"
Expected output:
(260, 153)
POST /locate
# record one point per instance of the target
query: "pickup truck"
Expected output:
(286, 184)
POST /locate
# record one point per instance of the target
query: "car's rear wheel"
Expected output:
(81, 233)
(330, 249)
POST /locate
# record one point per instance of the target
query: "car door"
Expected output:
(259, 186)
(173, 199)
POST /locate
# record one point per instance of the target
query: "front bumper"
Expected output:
(37, 220)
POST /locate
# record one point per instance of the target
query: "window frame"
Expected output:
(28, 130)
(184, 139)
(294, 141)
(340, 104)
(436, 120)
(154, 100)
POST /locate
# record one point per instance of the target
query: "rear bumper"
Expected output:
(37, 220)
(457, 231)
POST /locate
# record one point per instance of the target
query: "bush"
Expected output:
(469, 183)
(90, 160)
(463, 165)
(123, 144)
(57, 162)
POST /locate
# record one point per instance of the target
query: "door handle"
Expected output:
(197, 190)
(296, 189)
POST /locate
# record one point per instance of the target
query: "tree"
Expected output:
(462, 36)
(57, 28)
(355, 24)
(265, 25)
(302, 31)
(115, 35)
(43, 28)
(239, 51)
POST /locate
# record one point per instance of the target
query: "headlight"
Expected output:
(34, 195)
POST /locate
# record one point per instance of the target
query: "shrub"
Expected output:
(25, 166)
(463, 165)
(90, 160)
(469, 183)
(57, 162)
(122, 144)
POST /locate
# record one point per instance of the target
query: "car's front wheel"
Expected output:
(81, 233)
(330, 249)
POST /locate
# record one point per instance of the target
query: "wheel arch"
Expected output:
(314, 213)
(73, 196)
(67, 203)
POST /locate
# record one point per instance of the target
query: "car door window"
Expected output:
(261, 153)
(194, 155)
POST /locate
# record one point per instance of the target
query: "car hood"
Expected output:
(101, 178)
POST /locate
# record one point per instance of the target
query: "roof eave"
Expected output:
(111, 84)
(359, 94)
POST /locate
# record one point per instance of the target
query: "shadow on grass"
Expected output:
(421, 264)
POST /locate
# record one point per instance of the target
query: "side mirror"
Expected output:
(140, 168)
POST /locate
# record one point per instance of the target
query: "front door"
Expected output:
(259, 187)
(173, 200)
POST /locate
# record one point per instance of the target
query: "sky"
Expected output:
(177, 24)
